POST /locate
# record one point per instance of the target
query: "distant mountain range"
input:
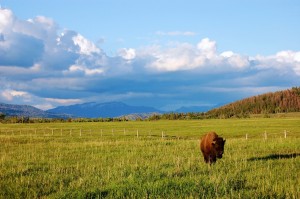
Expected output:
(90, 110)
(104, 110)
(27, 111)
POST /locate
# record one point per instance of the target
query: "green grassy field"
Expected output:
(133, 160)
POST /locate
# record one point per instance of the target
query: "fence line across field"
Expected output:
(123, 132)
(81, 132)
(267, 135)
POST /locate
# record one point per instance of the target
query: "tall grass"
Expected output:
(115, 165)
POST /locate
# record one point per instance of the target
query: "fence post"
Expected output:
(266, 135)
(246, 136)
(284, 133)
(80, 132)
(124, 131)
(162, 135)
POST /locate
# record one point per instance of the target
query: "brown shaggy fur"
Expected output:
(212, 147)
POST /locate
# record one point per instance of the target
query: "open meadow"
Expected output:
(150, 159)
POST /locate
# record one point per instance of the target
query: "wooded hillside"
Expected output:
(277, 102)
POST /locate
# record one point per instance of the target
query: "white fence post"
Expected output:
(285, 134)
(266, 135)
(246, 136)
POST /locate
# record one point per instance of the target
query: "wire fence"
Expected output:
(82, 132)
(136, 133)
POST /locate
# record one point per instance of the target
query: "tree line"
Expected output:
(277, 102)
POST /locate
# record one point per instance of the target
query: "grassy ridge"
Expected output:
(115, 165)
(277, 102)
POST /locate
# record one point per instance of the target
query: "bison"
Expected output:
(212, 147)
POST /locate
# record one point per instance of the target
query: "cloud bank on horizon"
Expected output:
(46, 66)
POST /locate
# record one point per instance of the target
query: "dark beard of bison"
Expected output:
(218, 149)
(218, 146)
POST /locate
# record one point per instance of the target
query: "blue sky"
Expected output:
(165, 54)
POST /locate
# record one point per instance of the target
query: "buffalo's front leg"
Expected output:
(212, 159)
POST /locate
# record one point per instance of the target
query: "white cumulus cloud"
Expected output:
(6, 20)
(86, 47)
(235, 60)
(10, 95)
(85, 70)
(184, 56)
(283, 61)
(127, 54)
(207, 48)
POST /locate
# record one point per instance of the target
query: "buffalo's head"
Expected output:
(218, 144)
